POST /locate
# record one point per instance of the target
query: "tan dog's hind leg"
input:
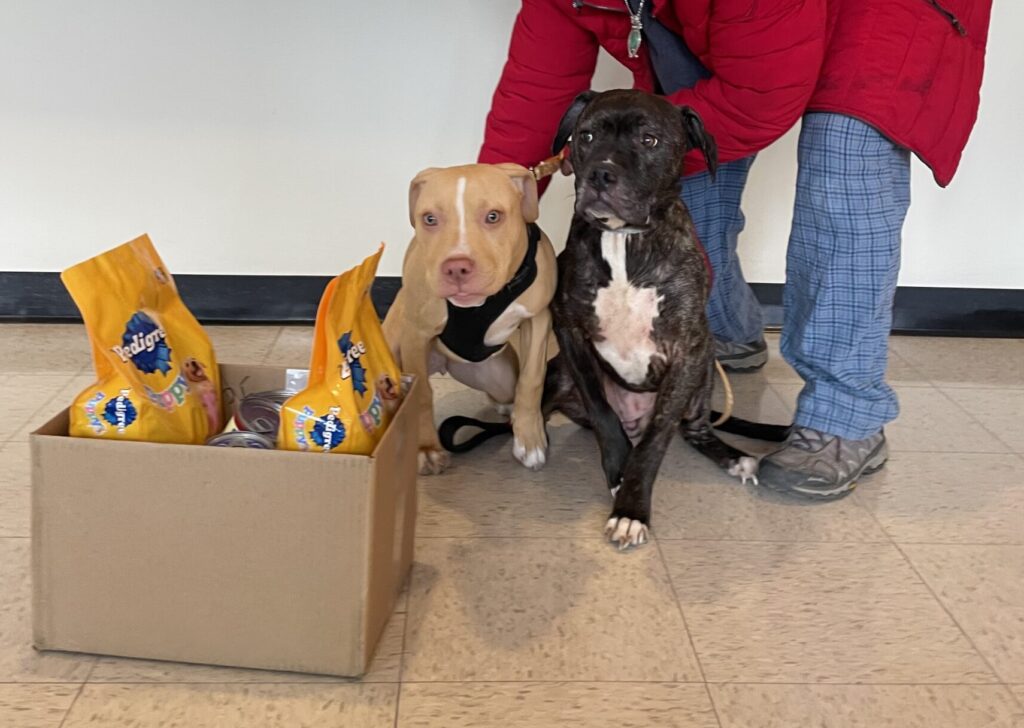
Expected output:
(531, 441)
(495, 376)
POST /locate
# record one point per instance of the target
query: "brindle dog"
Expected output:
(636, 355)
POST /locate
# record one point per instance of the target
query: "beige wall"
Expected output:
(269, 137)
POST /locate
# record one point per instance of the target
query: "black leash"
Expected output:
(448, 429)
(753, 430)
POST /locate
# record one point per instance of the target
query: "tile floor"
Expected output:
(902, 605)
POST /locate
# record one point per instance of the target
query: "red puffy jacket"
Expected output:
(900, 65)
(764, 57)
(910, 68)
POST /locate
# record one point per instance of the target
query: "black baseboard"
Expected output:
(214, 299)
(918, 310)
(229, 299)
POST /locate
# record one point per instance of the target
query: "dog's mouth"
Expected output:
(603, 218)
(470, 292)
(607, 216)
(466, 300)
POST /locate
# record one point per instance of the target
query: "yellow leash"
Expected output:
(727, 388)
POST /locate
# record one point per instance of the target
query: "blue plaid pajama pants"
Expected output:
(852, 195)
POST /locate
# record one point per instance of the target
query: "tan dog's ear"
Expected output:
(525, 182)
(414, 190)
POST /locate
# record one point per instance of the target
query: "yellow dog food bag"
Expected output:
(156, 374)
(354, 382)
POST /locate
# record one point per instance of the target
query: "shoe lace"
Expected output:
(808, 439)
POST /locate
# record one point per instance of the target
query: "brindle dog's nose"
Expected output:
(603, 177)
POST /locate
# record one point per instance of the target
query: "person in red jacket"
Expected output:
(873, 81)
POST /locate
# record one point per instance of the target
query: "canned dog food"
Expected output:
(259, 412)
(252, 440)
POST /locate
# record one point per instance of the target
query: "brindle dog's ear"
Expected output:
(697, 137)
(569, 119)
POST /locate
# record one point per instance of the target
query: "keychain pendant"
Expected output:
(633, 42)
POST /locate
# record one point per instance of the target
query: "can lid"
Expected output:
(258, 413)
(240, 438)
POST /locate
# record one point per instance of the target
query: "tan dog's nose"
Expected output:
(457, 270)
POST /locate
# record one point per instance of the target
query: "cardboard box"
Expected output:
(224, 556)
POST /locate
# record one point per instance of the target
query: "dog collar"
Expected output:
(465, 329)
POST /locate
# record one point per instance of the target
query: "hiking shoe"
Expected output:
(741, 357)
(816, 465)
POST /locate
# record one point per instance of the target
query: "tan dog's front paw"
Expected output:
(532, 457)
(530, 445)
(433, 461)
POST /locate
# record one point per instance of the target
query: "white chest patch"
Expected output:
(500, 331)
(625, 316)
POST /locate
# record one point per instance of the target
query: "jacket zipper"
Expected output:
(578, 4)
(946, 12)
(953, 20)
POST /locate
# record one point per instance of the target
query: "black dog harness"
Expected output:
(464, 332)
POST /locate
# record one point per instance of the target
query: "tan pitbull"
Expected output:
(476, 283)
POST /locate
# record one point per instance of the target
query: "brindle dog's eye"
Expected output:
(430, 219)
(586, 137)
(649, 141)
(493, 217)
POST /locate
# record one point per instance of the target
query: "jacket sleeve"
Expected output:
(765, 58)
(551, 59)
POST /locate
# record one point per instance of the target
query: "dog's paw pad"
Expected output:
(745, 468)
(433, 462)
(615, 491)
(532, 457)
(626, 532)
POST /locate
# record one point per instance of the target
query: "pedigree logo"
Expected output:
(144, 344)
(329, 431)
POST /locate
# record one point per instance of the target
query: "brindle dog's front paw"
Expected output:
(626, 532)
(433, 461)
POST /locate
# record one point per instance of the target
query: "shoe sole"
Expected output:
(744, 362)
(872, 464)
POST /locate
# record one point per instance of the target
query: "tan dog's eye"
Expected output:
(493, 217)
(430, 219)
(586, 137)
(649, 141)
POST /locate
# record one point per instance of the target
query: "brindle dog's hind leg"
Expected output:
(696, 429)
